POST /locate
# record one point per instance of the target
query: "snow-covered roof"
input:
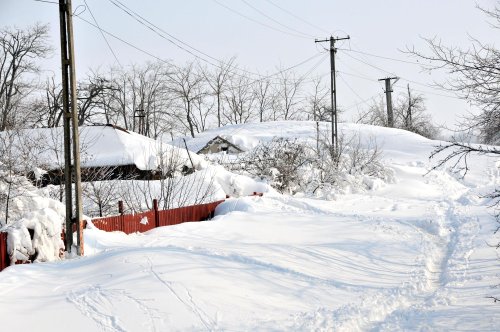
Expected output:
(247, 136)
(101, 146)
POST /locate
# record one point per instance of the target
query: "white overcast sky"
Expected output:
(264, 34)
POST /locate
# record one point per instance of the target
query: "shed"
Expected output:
(219, 144)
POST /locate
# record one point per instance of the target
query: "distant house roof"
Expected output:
(218, 144)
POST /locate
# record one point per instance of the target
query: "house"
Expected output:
(219, 144)
(107, 152)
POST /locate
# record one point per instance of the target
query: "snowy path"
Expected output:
(411, 255)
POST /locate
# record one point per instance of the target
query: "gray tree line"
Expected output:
(162, 98)
(170, 99)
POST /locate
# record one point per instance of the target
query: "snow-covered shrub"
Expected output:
(280, 162)
(33, 222)
(291, 166)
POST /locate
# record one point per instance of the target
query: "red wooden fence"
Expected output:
(145, 221)
(4, 255)
(139, 222)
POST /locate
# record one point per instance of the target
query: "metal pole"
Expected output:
(333, 99)
(409, 124)
(333, 88)
(388, 96)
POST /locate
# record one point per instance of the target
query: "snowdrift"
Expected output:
(412, 254)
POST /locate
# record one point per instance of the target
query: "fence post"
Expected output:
(157, 215)
(122, 221)
(3, 251)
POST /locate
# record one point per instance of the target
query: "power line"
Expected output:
(169, 63)
(403, 78)
(364, 101)
(370, 65)
(297, 17)
(350, 88)
(422, 91)
(102, 34)
(140, 19)
(52, 2)
(274, 20)
(136, 16)
(258, 22)
(382, 57)
(124, 41)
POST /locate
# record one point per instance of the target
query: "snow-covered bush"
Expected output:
(291, 166)
(33, 222)
(280, 162)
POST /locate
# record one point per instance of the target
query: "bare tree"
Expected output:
(240, 100)
(218, 81)
(474, 74)
(264, 97)
(318, 102)
(174, 189)
(102, 189)
(185, 86)
(375, 115)
(287, 93)
(411, 114)
(18, 51)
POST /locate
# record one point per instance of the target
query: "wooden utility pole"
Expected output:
(409, 124)
(71, 135)
(388, 96)
(333, 87)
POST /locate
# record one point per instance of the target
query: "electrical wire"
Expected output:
(124, 41)
(297, 17)
(364, 101)
(382, 57)
(276, 21)
(151, 26)
(102, 34)
(167, 62)
(408, 80)
(258, 22)
(52, 2)
(350, 88)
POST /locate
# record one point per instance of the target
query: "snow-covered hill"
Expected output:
(410, 255)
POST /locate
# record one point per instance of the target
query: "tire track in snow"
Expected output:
(204, 318)
(98, 303)
(95, 303)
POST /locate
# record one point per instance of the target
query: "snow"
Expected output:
(100, 146)
(44, 216)
(411, 254)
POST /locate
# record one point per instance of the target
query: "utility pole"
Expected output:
(409, 124)
(388, 96)
(333, 87)
(71, 136)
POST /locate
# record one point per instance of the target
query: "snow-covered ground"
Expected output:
(410, 255)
